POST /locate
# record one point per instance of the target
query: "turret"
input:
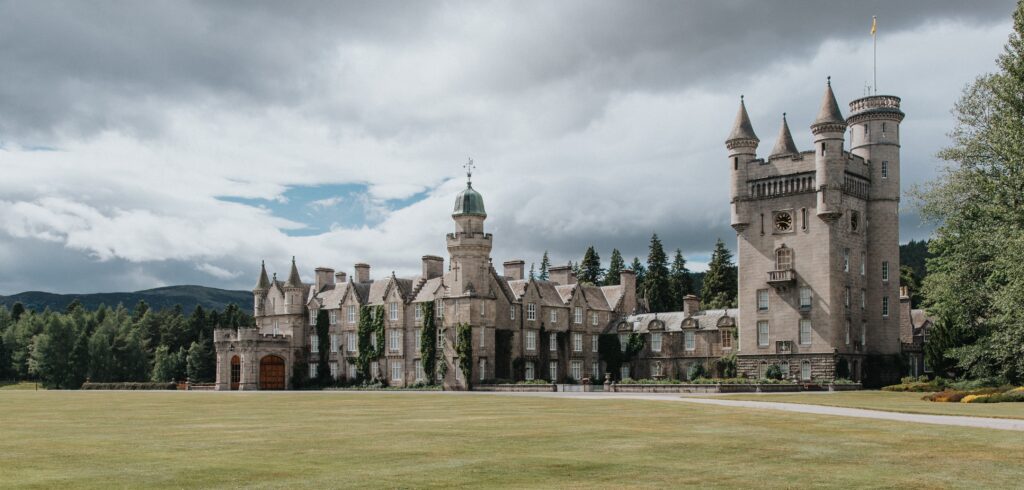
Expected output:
(293, 299)
(742, 145)
(875, 135)
(259, 293)
(469, 247)
(784, 145)
(829, 129)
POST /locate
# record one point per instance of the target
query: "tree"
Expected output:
(323, 326)
(17, 309)
(51, 353)
(657, 284)
(545, 264)
(640, 272)
(141, 308)
(75, 304)
(719, 290)
(167, 365)
(201, 363)
(976, 277)
(615, 267)
(679, 279)
(533, 274)
(590, 269)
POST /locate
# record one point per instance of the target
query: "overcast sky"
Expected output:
(154, 143)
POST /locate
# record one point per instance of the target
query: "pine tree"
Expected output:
(719, 290)
(656, 283)
(615, 267)
(545, 264)
(141, 308)
(641, 274)
(201, 364)
(17, 309)
(533, 274)
(590, 269)
(680, 280)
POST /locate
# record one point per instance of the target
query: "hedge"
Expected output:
(130, 386)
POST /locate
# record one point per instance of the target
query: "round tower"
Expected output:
(829, 129)
(742, 145)
(469, 248)
(293, 299)
(259, 293)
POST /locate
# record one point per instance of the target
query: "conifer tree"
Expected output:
(590, 269)
(656, 283)
(615, 267)
(533, 274)
(680, 280)
(719, 290)
(545, 264)
(641, 274)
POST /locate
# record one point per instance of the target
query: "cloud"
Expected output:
(176, 128)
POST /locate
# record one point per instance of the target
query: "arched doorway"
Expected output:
(271, 373)
(236, 372)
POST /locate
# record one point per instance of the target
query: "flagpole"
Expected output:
(874, 57)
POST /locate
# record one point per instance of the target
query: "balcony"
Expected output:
(784, 347)
(781, 277)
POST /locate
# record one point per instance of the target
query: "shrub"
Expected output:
(648, 381)
(843, 381)
(773, 372)
(130, 386)
(696, 371)
(533, 382)
(946, 396)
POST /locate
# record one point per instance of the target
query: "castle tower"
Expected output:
(742, 145)
(875, 136)
(469, 248)
(293, 299)
(829, 162)
(259, 293)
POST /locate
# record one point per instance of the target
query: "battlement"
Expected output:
(875, 107)
(246, 334)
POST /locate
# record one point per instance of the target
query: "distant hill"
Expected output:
(166, 297)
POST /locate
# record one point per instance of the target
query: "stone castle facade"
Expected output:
(818, 256)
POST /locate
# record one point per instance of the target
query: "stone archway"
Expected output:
(272, 373)
(236, 372)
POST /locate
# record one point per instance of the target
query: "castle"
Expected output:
(818, 259)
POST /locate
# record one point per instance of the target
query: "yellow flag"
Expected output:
(874, 24)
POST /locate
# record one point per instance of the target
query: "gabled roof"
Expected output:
(613, 295)
(594, 297)
(428, 290)
(518, 287)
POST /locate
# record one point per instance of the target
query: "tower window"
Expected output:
(883, 128)
(885, 306)
(846, 260)
(803, 218)
(735, 163)
(784, 259)
(762, 333)
(885, 271)
(885, 170)
(762, 300)
(822, 149)
(867, 131)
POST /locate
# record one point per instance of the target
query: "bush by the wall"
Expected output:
(130, 386)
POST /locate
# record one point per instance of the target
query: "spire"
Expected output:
(263, 282)
(784, 145)
(742, 129)
(829, 113)
(293, 277)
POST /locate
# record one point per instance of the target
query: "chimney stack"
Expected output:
(514, 269)
(627, 279)
(340, 278)
(906, 322)
(324, 277)
(691, 304)
(562, 275)
(433, 266)
(362, 272)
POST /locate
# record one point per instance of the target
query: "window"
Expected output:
(483, 369)
(314, 343)
(784, 367)
(373, 341)
(393, 311)
(885, 306)
(656, 369)
(439, 309)
(593, 343)
(529, 371)
(396, 370)
(762, 370)
(531, 311)
(440, 339)
(576, 368)
(593, 318)
(624, 371)
(418, 315)
(854, 220)
(350, 341)
(595, 371)
(553, 370)
(531, 340)
(394, 340)
(863, 299)
(333, 317)
(656, 342)
(351, 314)
(805, 298)
(312, 317)
(458, 374)
(577, 315)
(334, 342)
(577, 342)
(236, 372)
(847, 331)
(805, 331)
(863, 263)
(420, 373)
(803, 218)
(554, 316)
(784, 259)
(689, 341)
(885, 170)
(553, 342)
(885, 271)
(623, 341)
(762, 333)
(846, 297)
(512, 312)
(762, 300)
(483, 309)
(419, 340)
(726, 336)
(277, 328)
(334, 370)
(375, 370)
(483, 337)
(846, 260)
(864, 334)
(312, 369)
(805, 370)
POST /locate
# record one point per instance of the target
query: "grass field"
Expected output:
(16, 385)
(892, 402)
(317, 440)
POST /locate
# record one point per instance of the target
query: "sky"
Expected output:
(145, 144)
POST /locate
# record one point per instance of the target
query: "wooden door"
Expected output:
(236, 372)
(271, 373)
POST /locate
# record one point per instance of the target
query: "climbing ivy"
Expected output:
(371, 325)
(428, 342)
(610, 350)
(464, 348)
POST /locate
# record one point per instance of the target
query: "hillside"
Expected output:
(166, 297)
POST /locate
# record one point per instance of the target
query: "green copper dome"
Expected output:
(469, 203)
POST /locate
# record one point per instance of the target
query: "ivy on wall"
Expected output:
(428, 342)
(464, 349)
(610, 350)
(370, 327)
(323, 370)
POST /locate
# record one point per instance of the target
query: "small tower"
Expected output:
(293, 299)
(469, 247)
(784, 145)
(829, 129)
(259, 293)
(742, 145)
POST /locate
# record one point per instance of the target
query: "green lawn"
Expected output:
(317, 440)
(892, 402)
(19, 385)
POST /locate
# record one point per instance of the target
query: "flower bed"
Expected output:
(517, 387)
(1005, 394)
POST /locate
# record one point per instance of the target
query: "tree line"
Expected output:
(661, 284)
(64, 349)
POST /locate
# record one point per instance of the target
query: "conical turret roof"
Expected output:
(293, 277)
(829, 112)
(784, 145)
(742, 129)
(264, 281)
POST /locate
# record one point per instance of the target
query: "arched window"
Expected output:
(784, 367)
(784, 258)
(805, 370)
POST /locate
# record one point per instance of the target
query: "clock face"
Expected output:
(783, 222)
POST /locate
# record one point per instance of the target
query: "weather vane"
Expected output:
(469, 166)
